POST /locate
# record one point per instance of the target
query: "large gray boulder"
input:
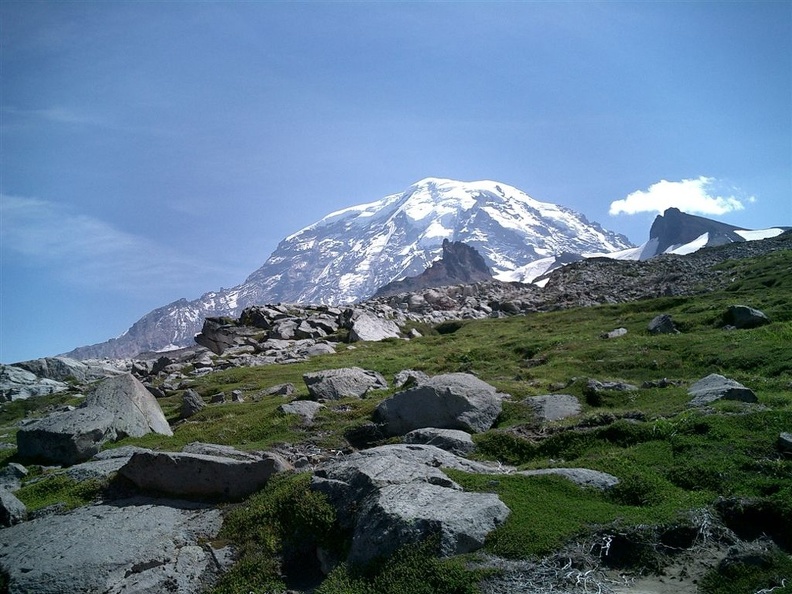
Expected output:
(451, 440)
(68, 437)
(18, 384)
(191, 403)
(744, 317)
(201, 475)
(403, 514)
(554, 407)
(450, 401)
(716, 387)
(306, 409)
(333, 384)
(368, 327)
(394, 495)
(12, 510)
(135, 410)
(130, 546)
(583, 477)
(63, 369)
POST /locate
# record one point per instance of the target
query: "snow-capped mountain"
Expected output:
(347, 255)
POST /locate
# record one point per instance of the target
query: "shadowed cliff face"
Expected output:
(460, 264)
(675, 227)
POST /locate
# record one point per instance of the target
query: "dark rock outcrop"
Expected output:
(459, 264)
(744, 317)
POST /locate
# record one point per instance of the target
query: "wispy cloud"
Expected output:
(58, 115)
(694, 196)
(87, 251)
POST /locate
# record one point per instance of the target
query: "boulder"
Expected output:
(103, 465)
(201, 475)
(63, 369)
(554, 407)
(67, 437)
(716, 387)
(306, 409)
(333, 384)
(451, 440)
(136, 411)
(18, 384)
(191, 403)
(135, 545)
(615, 333)
(12, 510)
(394, 495)
(409, 377)
(403, 514)
(368, 327)
(11, 476)
(280, 390)
(450, 401)
(236, 396)
(220, 334)
(583, 477)
(785, 443)
(744, 317)
(662, 324)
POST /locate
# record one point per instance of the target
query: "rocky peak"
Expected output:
(460, 263)
(674, 228)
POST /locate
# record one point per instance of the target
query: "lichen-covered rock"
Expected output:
(136, 545)
(716, 387)
(135, 410)
(201, 475)
(451, 440)
(450, 401)
(333, 384)
(553, 407)
(67, 437)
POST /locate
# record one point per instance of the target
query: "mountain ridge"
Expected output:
(349, 254)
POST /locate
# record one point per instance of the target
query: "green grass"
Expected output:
(670, 461)
(59, 489)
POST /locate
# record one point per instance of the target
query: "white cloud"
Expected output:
(87, 251)
(693, 196)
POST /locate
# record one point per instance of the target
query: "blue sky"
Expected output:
(156, 150)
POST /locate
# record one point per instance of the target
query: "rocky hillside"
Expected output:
(617, 449)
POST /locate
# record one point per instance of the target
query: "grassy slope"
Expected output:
(674, 461)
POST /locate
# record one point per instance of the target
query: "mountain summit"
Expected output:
(347, 255)
(676, 232)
